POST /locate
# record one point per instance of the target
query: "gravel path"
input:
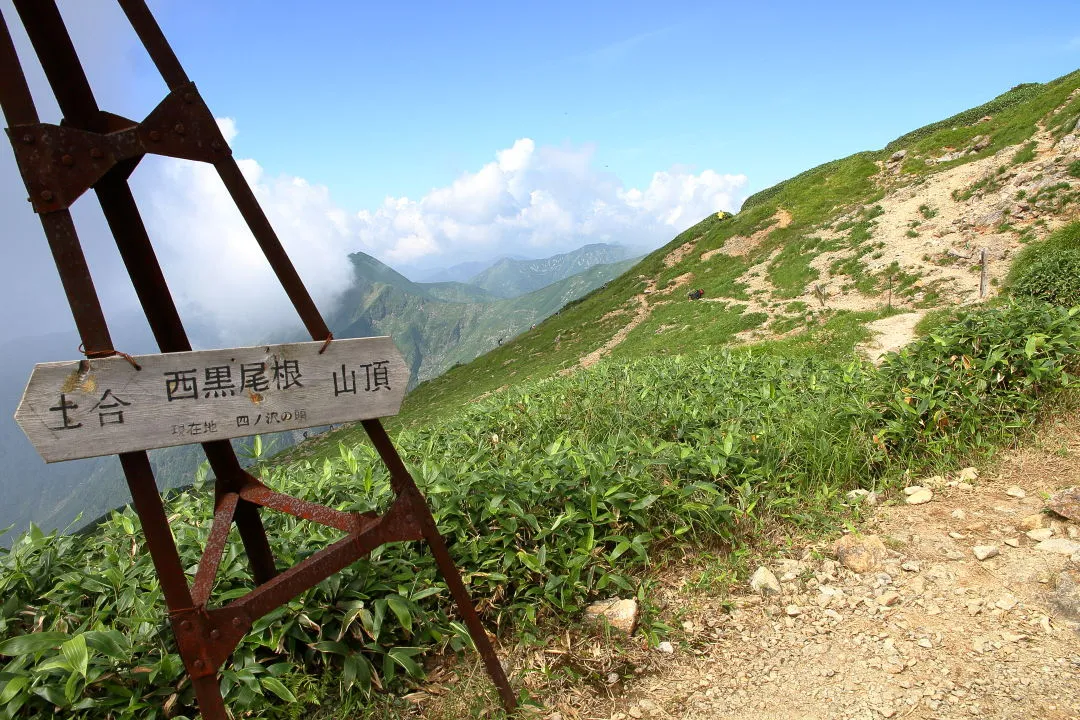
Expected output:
(926, 630)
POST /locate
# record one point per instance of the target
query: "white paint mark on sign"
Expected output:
(88, 408)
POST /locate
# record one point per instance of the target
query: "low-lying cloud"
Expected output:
(529, 200)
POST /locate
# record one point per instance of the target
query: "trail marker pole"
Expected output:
(94, 149)
(984, 260)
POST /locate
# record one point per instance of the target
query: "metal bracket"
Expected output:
(206, 638)
(60, 162)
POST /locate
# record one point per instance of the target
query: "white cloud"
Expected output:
(541, 200)
(529, 200)
(215, 268)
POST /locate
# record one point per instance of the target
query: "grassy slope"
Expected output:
(815, 197)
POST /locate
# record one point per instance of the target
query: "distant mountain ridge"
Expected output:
(462, 272)
(511, 277)
(436, 325)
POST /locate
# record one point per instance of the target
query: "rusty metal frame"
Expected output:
(94, 149)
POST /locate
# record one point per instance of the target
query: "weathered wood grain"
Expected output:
(88, 408)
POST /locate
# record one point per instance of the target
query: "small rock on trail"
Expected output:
(765, 582)
(620, 614)
(1066, 503)
(860, 553)
(919, 496)
(1061, 546)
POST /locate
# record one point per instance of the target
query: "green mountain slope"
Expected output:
(820, 228)
(509, 278)
(437, 325)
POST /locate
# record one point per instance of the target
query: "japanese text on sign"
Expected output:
(104, 406)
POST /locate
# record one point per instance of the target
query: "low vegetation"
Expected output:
(550, 494)
(1054, 278)
(1061, 242)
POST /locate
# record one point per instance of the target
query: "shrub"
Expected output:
(970, 383)
(1055, 278)
(1065, 238)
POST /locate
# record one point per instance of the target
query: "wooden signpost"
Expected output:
(113, 403)
(107, 406)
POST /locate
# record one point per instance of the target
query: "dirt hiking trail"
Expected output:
(889, 335)
(929, 631)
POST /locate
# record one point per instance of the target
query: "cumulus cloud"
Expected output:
(532, 201)
(529, 200)
(213, 265)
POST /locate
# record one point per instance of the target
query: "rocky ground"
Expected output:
(959, 598)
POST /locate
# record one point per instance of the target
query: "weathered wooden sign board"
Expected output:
(107, 406)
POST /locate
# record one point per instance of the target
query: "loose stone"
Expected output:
(765, 582)
(920, 497)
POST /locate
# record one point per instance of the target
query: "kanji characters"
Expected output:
(287, 374)
(110, 406)
(62, 407)
(253, 377)
(181, 385)
(218, 381)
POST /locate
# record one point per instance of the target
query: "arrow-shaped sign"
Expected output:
(105, 406)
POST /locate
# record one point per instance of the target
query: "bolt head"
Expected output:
(179, 129)
(155, 135)
(46, 195)
(237, 622)
(189, 97)
(199, 664)
(28, 139)
(215, 634)
(96, 153)
(67, 160)
(215, 145)
(185, 625)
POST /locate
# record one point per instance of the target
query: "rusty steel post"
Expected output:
(115, 145)
(405, 486)
(75, 276)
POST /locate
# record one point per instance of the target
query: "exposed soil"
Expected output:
(676, 256)
(889, 334)
(644, 309)
(738, 245)
(642, 314)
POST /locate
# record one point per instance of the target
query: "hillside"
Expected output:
(510, 277)
(436, 325)
(889, 233)
(636, 435)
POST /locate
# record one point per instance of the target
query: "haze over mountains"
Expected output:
(435, 325)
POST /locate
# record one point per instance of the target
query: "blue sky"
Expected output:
(428, 134)
(398, 98)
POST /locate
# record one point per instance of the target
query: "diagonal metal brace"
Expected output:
(207, 637)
